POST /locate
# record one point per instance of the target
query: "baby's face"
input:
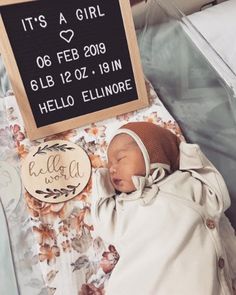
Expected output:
(125, 159)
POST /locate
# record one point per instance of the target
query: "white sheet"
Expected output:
(218, 25)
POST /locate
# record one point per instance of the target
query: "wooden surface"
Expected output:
(6, 2)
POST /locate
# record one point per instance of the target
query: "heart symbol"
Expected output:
(67, 35)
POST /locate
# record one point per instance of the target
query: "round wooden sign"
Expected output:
(56, 171)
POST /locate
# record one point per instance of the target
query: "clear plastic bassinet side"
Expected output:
(19, 272)
(194, 83)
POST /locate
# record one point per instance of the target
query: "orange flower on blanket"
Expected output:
(90, 289)
(103, 145)
(44, 234)
(152, 118)
(77, 222)
(66, 246)
(109, 259)
(96, 161)
(34, 205)
(66, 135)
(84, 195)
(21, 151)
(89, 146)
(17, 134)
(49, 254)
(64, 229)
(46, 211)
(172, 125)
(96, 131)
(125, 117)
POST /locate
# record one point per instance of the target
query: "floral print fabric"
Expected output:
(72, 259)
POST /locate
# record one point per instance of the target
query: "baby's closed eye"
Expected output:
(120, 158)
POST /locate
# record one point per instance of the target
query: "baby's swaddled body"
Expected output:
(166, 230)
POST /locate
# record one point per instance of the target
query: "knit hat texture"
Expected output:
(161, 144)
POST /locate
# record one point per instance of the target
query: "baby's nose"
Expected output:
(112, 169)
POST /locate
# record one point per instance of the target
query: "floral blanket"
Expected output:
(66, 255)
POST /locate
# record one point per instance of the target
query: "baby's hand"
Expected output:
(102, 186)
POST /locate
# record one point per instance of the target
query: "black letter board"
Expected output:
(71, 62)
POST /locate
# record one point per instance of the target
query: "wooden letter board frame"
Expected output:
(34, 132)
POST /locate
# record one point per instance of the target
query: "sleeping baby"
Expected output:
(161, 203)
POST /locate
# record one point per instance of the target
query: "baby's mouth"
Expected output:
(116, 181)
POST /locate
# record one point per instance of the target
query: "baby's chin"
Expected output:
(124, 188)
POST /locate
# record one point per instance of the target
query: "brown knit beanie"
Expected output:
(160, 147)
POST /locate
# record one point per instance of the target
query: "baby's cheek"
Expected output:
(130, 186)
(129, 179)
(123, 168)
